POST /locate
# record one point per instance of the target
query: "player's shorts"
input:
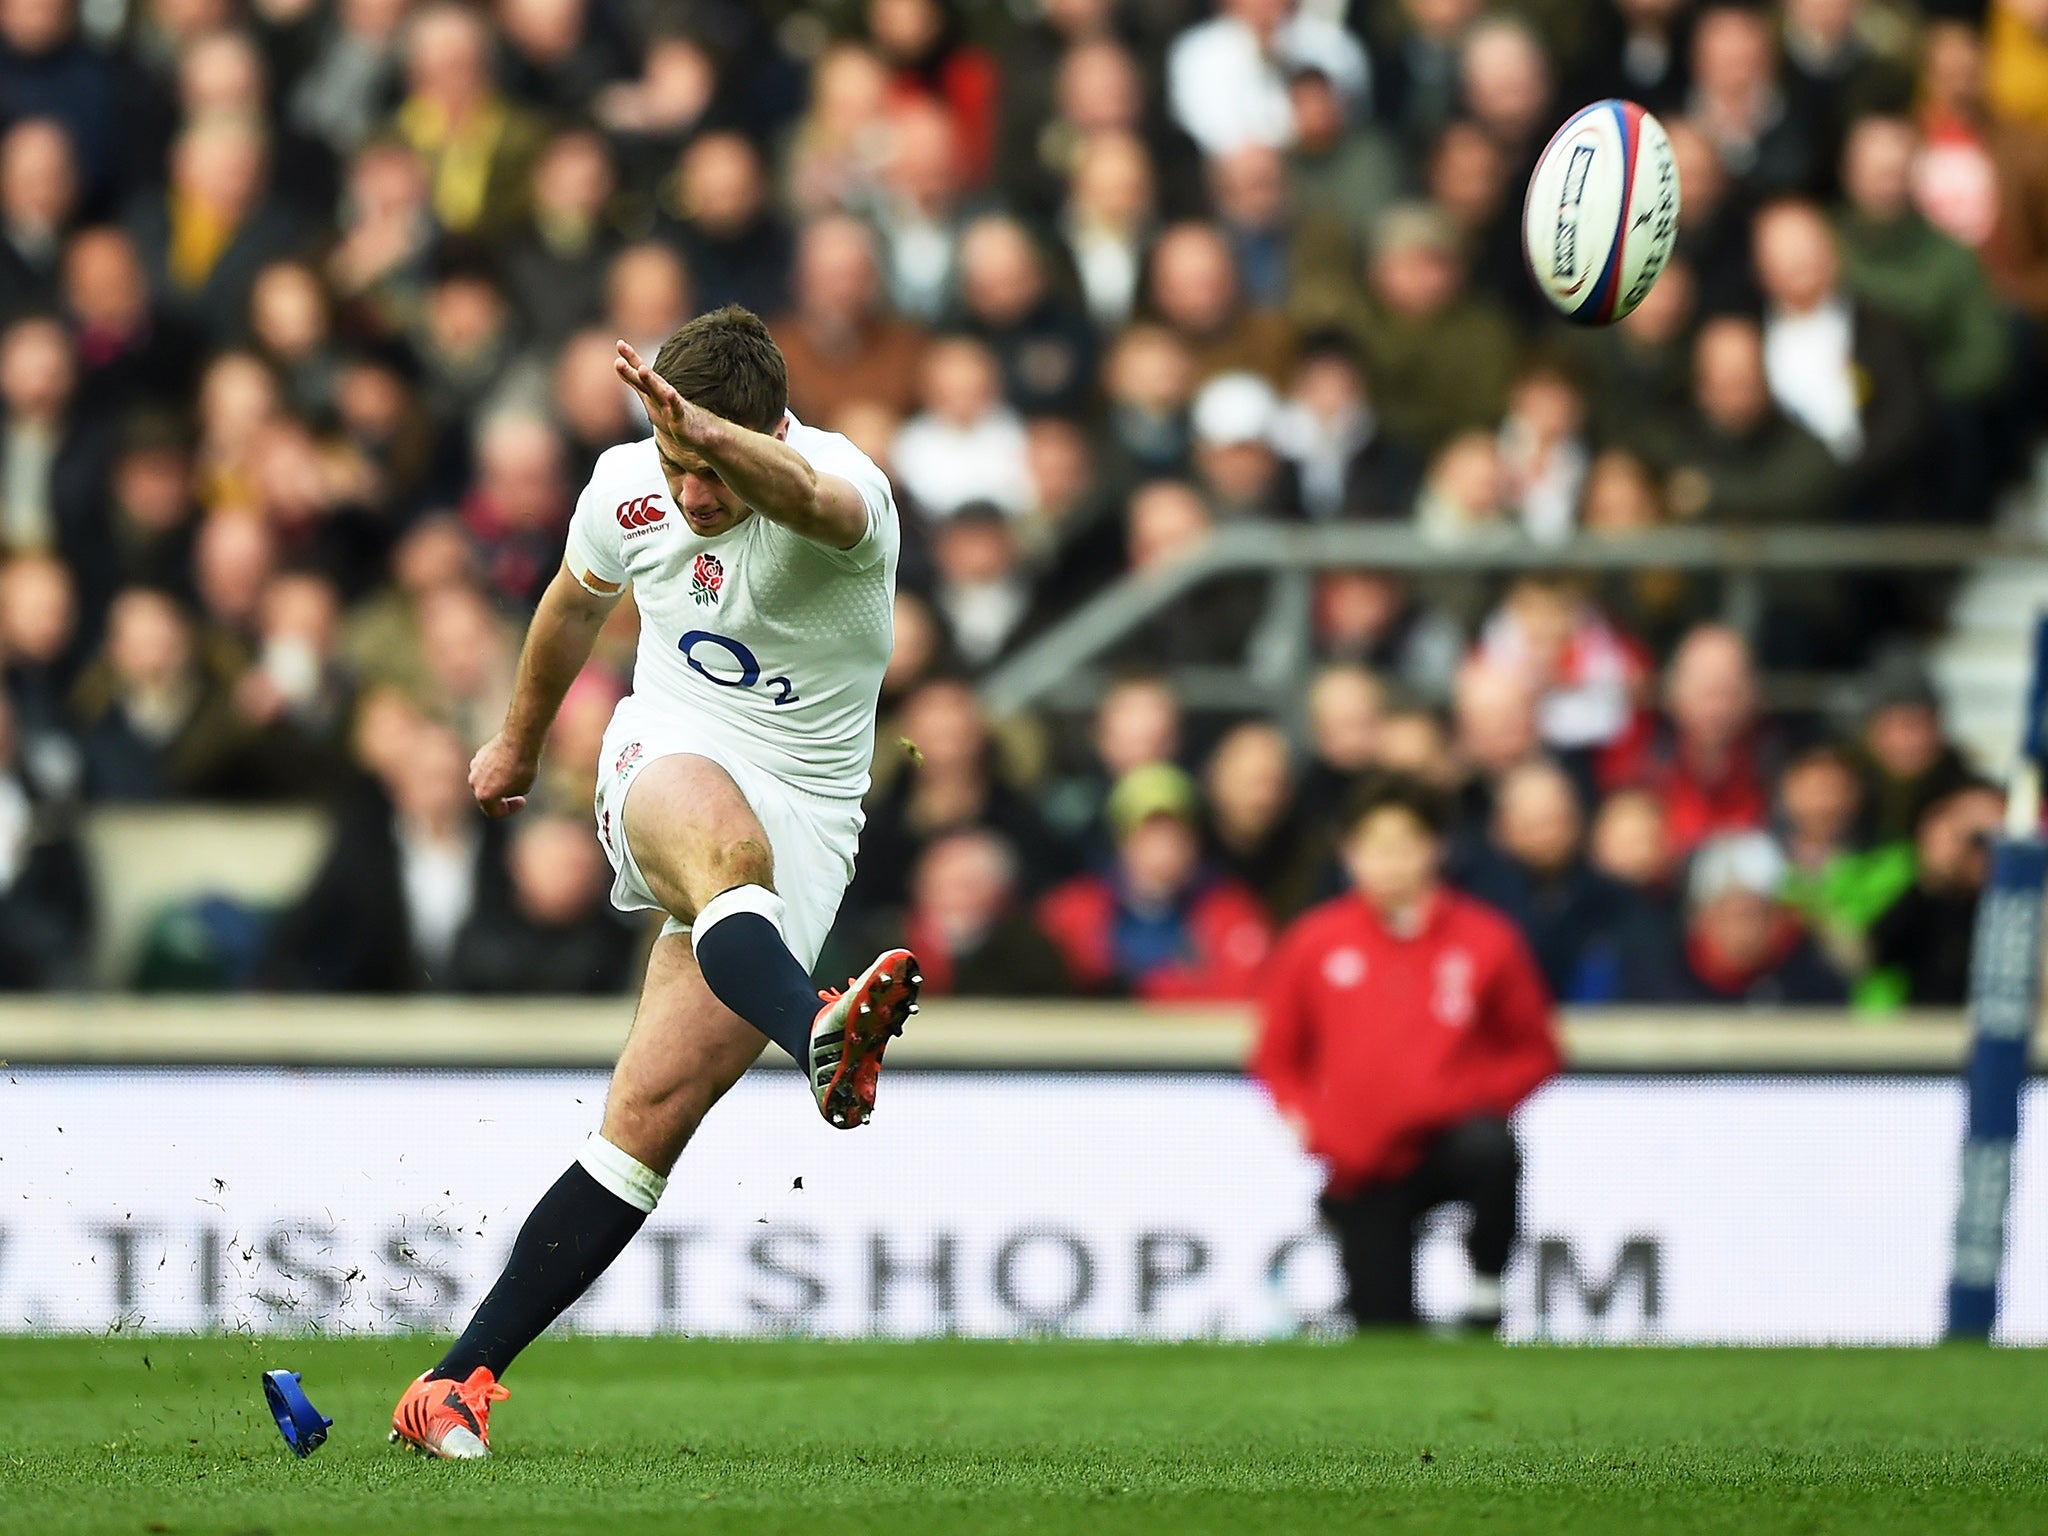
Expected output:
(813, 838)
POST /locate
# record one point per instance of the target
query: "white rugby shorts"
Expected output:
(813, 838)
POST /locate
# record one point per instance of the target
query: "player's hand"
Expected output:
(677, 423)
(500, 775)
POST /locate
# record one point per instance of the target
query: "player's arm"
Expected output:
(766, 473)
(558, 642)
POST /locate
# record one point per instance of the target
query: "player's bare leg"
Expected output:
(702, 853)
(686, 1049)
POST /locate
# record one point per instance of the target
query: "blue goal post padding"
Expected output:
(2005, 971)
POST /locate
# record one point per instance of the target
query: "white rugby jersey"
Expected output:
(768, 643)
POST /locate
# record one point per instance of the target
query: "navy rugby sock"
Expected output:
(570, 1239)
(749, 968)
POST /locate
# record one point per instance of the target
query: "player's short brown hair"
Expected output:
(727, 362)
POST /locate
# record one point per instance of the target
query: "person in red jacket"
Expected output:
(1158, 925)
(1403, 1024)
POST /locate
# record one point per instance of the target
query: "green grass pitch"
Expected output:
(139, 1435)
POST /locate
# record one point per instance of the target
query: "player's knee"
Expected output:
(740, 860)
(655, 1125)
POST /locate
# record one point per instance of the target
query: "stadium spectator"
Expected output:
(1843, 369)
(1639, 372)
(1157, 925)
(1464, 496)
(652, 115)
(39, 662)
(966, 444)
(930, 59)
(1714, 217)
(382, 261)
(594, 409)
(409, 864)
(1704, 760)
(468, 654)
(1227, 77)
(840, 343)
(955, 781)
(1168, 522)
(1236, 466)
(647, 294)
(1505, 81)
(1415, 76)
(38, 202)
(1537, 873)
(1107, 223)
(736, 244)
(352, 72)
(1194, 289)
(204, 239)
(520, 506)
(1544, 450)
(981, 589)
(45, 893)
(478, 145)
(1896, 259)
(1346, 464)
(1440, 359)
(1742, 945)
(1921, 945)
(1402, 1025)
(1350, 167)
(154, 721)
(1905, 761)
(1837, 882)
(1256, 832)
(556, 262)
(1149, 378)
(1044, 345)
(1731, 456)
(1631, 845)
(1979, 178)
(554, 933)
(222, 72)
(1585, 674)
(1377, 620)
(1642, 57)
(47, 70)
(1739, 101)
(967, 925)
(128, 354)
(53, 452)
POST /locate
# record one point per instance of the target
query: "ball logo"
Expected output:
(640, 514)
(1564, 251)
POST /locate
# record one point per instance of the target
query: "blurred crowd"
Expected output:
(306, 322)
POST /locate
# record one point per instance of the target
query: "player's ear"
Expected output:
(782, 428)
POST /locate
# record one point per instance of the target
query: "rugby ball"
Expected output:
(1602, 212)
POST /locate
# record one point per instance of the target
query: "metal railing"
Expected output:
(1060, 668)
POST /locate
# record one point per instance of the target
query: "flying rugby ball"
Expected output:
(1602, 212)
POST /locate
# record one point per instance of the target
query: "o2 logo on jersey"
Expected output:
(640, 515)
(740, 656)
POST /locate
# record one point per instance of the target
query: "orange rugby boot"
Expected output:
(853, 1029)
(449, 1419)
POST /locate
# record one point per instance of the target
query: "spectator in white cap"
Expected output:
(1237, 465)
(1743, 946)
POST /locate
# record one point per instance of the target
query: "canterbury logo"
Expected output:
(641, 512)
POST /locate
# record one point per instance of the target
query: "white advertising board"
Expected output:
(1655, 1208)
